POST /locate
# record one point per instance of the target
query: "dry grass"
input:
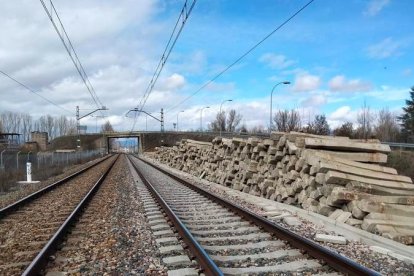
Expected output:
(402, 161)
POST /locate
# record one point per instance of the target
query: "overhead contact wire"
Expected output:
(242, 56)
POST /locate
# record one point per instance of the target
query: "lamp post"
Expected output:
(220, 111)
(271, 99)
(177, 118)
(201, 118)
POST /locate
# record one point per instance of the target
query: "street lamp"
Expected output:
(220, 111)
(177, 118)
(201, 118)
(271, 99)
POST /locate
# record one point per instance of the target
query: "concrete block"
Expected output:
(380, 249)
(336, 214)
(177, 260)
(330, 238)
(183, 272)
(344, 216)
(291, 221)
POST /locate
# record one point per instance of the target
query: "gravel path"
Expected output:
(112, 236)
(355, 250)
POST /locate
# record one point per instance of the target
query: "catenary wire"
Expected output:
(241, 57)
(184, 14)
(34, 92)
(70, 50)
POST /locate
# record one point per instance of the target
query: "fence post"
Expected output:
(28, 156)
(17, 160)
(37, 157)
(1, 159)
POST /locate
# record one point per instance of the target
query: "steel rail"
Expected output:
(11, 207)
(333, 259)
(41, 259)
(207, 264)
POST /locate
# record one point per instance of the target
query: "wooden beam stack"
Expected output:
(334, 176)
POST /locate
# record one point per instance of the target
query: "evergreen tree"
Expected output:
(346, 129)
(407, 119)
(319, 126)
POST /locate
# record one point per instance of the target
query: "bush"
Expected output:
(402, 161)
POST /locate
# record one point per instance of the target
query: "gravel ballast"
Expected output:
(355, 250)
(113, 237)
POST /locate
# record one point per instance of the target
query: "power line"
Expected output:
(34, 92)
(184, 14)
(52, 14)
(241, 57)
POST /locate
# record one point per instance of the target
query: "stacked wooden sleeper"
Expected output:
(334, 176)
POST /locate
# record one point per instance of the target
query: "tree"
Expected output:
(286, 120)
(318, 126)
(225, 122)
(243, 129)
(365, 119)
(233, 120)
(257, 129)
(407, 118)
(346, 129)
(387, 128)
(107, 127)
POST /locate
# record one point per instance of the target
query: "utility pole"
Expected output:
(78, 118)
(162, 120)
(177, 118)
(220, 114)
(77, 128)
(201, 118)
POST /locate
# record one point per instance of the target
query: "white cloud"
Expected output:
(341, 84)
(407, 72)
(306, 82)
(173, 82)
(314, 101)
(384, 49)
(221, 86)
(375, 6)
(341, 115)
(275, 61)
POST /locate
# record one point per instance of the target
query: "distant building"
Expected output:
(9, 140)
(41, 138)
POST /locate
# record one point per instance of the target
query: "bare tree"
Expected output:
(346, 129)
(225, 122)
(365, 121)
(386, 128)
(27, 124)
(286, 120)
(257, 129)
(107, 127)
(233, 120)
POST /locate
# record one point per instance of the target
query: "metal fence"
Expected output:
(15, 161)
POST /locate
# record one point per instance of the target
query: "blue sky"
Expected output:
(348, 51)
(337, 54)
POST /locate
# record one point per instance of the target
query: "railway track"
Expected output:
(32, 228)
(229, 240)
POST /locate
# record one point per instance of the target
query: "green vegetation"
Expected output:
(407, 119)
(402, 161)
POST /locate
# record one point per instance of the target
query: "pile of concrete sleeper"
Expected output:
(335, 176)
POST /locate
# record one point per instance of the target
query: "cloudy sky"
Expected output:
(337, 54)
